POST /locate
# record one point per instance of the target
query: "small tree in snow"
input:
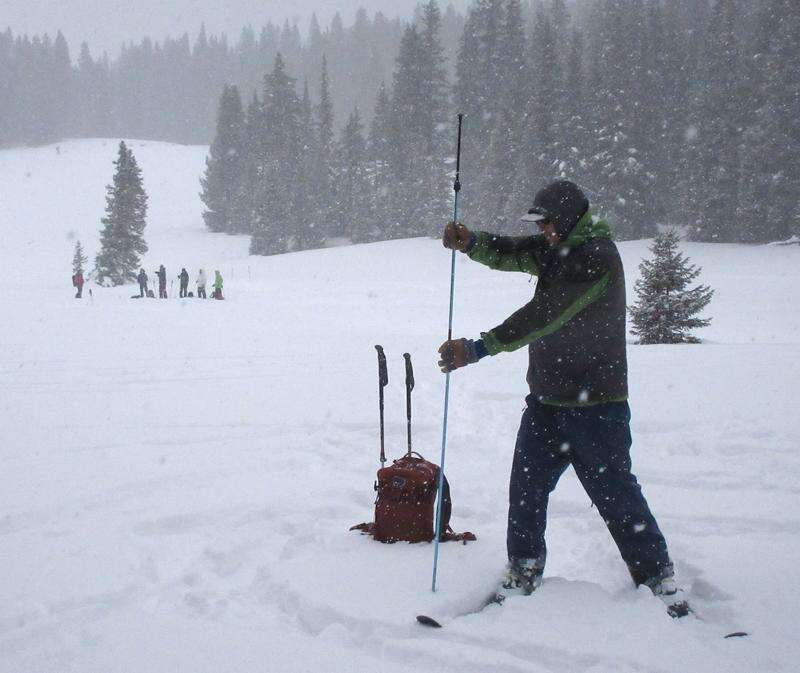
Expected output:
(78, 259)
(666, 310)
(122, 238)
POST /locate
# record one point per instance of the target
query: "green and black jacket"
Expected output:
(574, 326)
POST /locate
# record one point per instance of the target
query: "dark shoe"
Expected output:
(523, 576)
(667, 589)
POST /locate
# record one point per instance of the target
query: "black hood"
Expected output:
(563, 204)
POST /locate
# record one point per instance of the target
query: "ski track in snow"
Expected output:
(177, 478)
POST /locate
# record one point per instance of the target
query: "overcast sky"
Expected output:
(105, 24)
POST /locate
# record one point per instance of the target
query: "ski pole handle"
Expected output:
(383, 375)
(409, 388)
(383, 380)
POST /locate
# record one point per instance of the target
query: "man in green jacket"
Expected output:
(577, 411)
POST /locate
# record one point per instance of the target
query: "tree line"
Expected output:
(669, 113)
(160, 90)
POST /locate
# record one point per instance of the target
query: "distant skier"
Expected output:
(142, 278)
(162, 282)
(184, 279)
(218, 285)
(201, 284)
(577, 411)
(77, 282)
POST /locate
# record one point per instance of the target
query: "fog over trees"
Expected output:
(668, 112)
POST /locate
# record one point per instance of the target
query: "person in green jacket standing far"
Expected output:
(577, 411)
(218, 285)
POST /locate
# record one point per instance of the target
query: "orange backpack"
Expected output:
(405, 507)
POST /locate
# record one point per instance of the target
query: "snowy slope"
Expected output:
(177, 477)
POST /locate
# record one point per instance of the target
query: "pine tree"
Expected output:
(505, 196)
(418, 122)
(379, 149)
(324, 186)
(254, 158)
(433, 121)
(621, 123)
(478, 94)
(122, 237)
(406, 147)
(78, 259)
(223, 182)
(354, 204)
(770, 194)
(577, 121)
(540, 133)
(718, 184)
(310, 233)
(277, 194)
(666, 309)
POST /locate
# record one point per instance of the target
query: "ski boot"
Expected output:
(671, 595)
(523, 576)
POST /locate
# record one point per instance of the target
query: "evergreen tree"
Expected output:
(254, 157)
(406, 133)
(122, 237)
(542, 92)
(62, 90)
(378, 154)
(577, 122)
(312, 230)
(224, 181)
(478, 94)
(666, 309)
(720, 142)
(354, 204)
(433, 120)
(677, 69)
(618, 80)
(7, 88)
(78, 259)
(505, 194)
(323, 168)
(418, 121)
(280, 212)
(770, 194)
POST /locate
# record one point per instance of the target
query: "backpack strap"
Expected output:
(447, 506)
(450, 536)
(447, 534)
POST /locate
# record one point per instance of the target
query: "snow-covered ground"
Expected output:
(177, 478)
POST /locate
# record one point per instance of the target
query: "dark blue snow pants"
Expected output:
(596, 440)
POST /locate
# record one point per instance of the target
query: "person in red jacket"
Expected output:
(77, 281)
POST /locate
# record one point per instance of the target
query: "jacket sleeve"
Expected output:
(578, 283)
(508, 253)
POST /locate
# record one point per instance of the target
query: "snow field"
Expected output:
(177, 477)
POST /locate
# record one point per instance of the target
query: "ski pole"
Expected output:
(456, 189)
(383, 379)
(409, 388)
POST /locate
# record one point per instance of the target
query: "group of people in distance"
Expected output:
(183, 277)
(78, 282)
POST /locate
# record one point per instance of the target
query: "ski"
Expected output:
(498, 599)
(493, 599)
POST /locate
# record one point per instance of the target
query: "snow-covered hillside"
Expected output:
(177, 478)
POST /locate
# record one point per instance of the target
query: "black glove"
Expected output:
(457, 353)
(457, 237)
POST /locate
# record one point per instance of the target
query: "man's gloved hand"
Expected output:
(457, 237)
(457, 353)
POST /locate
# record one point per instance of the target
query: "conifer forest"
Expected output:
(670, 113)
